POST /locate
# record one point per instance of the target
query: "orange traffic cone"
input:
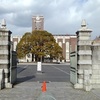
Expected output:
(44, 87)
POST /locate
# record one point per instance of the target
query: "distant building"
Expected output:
(37, 23)
(15, 40)
(96, 40)
(65, 41)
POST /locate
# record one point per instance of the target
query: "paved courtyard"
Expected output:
(59, 90)
(29, 88)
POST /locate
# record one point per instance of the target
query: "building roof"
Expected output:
(64, 35)
(97, 39)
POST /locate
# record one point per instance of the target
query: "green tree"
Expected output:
(23, 46)
(40, 44)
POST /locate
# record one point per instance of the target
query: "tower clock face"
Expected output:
(37, 18)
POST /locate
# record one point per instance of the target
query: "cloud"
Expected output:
(61, 16)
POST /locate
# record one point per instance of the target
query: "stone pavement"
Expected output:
(60, 90)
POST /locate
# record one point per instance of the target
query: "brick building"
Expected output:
(65, 41)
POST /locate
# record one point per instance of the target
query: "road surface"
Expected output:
(50, 73)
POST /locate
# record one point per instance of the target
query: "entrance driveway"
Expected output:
(49, 73)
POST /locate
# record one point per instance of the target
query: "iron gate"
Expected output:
(73, 67)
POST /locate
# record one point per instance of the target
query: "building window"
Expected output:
(67, 55)
(60, 44)
(67, 46)
(15, 44)
(67, 50)
(28, 55)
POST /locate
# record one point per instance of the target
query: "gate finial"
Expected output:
(83, 23)
(3, 24)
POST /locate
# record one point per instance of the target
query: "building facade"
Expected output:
(15, 40)
(65, 41)
(37, 23)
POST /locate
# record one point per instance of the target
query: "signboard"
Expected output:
(39, 66)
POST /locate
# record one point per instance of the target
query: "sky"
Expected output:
(60, 16)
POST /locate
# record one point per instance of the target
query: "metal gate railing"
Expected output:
(73, 65)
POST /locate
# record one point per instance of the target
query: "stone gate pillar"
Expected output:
(5, 54)
(84, 60)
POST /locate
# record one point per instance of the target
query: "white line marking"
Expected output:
(22, 69)
(60, 70)
(26, 66)
(97, 95)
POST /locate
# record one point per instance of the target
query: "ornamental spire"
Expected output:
(83, 23)
(3, 24)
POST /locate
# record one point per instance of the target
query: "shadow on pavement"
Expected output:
(24, 79)
(19, 69)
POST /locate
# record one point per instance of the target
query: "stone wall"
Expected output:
(95, 79)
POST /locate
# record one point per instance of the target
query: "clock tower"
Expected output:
(37, 23)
